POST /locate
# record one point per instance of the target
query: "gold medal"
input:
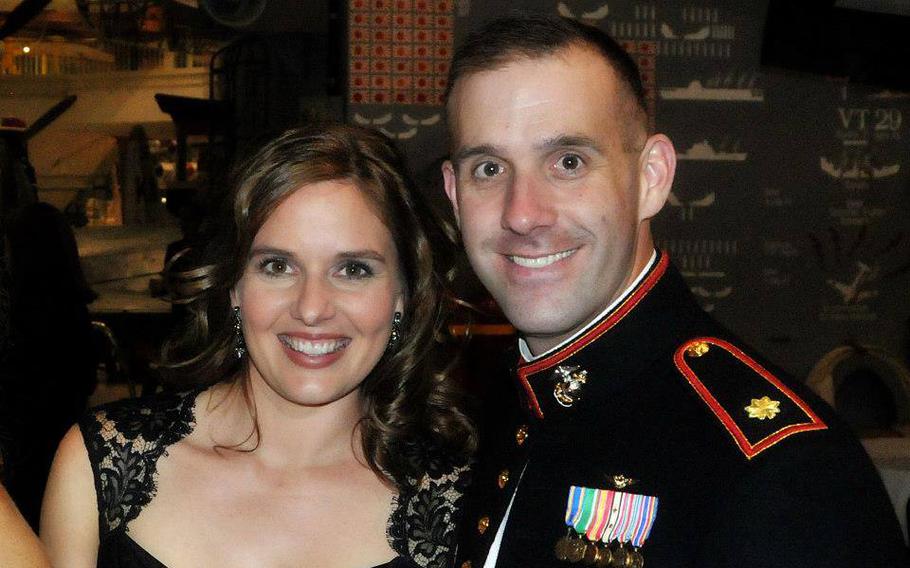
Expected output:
(606, 556)
(592, 553)
(562, 548)
(576, 550)
(620, 557)
(636, 560)
(597, 555)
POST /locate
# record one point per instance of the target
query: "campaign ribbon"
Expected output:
(610, 516)
(631, 517)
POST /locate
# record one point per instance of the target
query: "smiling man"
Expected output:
(642, 432)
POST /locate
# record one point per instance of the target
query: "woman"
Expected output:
(318, 433)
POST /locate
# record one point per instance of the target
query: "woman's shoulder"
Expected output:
(441, 466)
(424, 520)
(160, 419)
(124, 440)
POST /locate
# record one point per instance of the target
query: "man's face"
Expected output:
(544, 180)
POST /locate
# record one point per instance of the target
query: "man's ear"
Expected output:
(448, 176)
(657, 166)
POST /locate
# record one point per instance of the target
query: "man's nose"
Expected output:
(315, 301)
(528, 205)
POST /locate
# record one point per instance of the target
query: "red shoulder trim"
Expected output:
(748, 448)
(592, 334)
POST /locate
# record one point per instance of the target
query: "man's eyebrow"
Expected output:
(569, 141)
(549, 144)
(464, 153)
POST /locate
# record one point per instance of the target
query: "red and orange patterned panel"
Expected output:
(400, 51)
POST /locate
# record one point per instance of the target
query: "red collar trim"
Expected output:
(591, 335)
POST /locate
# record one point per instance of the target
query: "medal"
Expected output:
(562, 547)
(631, 518)
(620, 558)
(576, 549)
(597, 555)
(592, 553)
(606, 556)
(598, 518)
(584, 517)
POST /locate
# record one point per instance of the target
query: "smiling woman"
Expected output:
(314, 400)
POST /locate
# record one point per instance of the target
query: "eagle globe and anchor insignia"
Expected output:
(569, 382)
(606, 527)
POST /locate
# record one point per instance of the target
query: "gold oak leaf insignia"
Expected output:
(698, 349)
(763, 407)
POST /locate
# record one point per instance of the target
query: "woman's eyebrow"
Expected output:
(267, 250)
(369, 254)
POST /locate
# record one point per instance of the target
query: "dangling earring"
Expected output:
(396, 332)
(239, 344)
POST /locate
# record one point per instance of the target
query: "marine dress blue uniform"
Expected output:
(657, 400)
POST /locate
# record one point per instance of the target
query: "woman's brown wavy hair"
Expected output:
(409, 397)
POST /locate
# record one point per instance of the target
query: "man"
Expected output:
(647, 435)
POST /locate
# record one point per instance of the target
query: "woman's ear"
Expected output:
(657, 166)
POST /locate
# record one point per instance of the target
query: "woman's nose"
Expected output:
(314, 303)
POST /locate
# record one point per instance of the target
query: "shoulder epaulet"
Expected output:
(756, 408)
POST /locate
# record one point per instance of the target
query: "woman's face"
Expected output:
(318, 294)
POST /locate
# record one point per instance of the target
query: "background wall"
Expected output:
(789, 215)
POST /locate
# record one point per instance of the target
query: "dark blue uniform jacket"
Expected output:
(749, 467)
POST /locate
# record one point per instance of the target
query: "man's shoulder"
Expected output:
(759, 407)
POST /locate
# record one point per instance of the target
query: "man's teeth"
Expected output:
(540, 261)
(314, 348)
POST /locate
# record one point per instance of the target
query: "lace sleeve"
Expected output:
(124, 440)
(424, 519)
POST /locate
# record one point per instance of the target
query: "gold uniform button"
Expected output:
(483, 524)
(698, 349)
(466, 564)
(521, 434)
(503, 479)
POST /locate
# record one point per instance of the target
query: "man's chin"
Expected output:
(544, 330)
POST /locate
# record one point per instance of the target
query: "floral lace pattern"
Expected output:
(125, 440)
(422, 525)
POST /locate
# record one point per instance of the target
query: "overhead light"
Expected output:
(26, 49)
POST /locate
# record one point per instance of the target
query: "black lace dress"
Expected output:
(126, 439)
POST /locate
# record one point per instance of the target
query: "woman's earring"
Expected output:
(239, 344)
(396, 331)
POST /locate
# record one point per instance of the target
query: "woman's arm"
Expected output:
(69, 516)
(18, 544)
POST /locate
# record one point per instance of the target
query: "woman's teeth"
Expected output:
(314, 348)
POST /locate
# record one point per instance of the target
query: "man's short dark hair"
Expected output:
(506, 39)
